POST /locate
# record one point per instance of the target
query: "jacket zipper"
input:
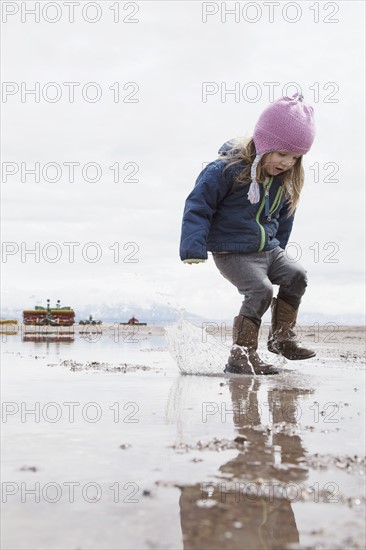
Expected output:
(267, 210)
(275, 203)
(265, 202)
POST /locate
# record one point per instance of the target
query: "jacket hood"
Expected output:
(225, 147)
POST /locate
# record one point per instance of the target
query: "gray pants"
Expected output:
(254, 273)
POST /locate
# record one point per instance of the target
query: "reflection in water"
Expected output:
(48, 339)
(48, 334)
(250, 507)
(8, 327)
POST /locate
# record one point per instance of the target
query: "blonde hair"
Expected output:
(243, 151)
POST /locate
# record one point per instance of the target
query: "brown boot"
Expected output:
(243, 357)
(282, 337)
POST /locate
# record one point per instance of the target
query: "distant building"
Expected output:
(57, 316)
(133, 321)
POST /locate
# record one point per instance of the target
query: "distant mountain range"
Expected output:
(158, 314)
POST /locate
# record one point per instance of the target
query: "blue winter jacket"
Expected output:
(215, 219)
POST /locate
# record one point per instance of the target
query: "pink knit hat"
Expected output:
(285, 125)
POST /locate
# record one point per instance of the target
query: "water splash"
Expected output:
(195, 351)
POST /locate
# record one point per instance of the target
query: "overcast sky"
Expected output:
(154, 122)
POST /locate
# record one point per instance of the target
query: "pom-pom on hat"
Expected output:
(285, 125)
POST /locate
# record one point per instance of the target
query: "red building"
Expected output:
(58, 316)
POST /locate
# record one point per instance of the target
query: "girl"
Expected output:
(242, 210)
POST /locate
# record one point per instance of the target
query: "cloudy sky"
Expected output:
(131, 99)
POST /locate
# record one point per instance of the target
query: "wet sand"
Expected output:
(105, 445)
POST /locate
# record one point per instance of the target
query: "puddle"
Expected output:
(143, 457)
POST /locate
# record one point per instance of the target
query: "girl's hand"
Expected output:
(193, 261)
